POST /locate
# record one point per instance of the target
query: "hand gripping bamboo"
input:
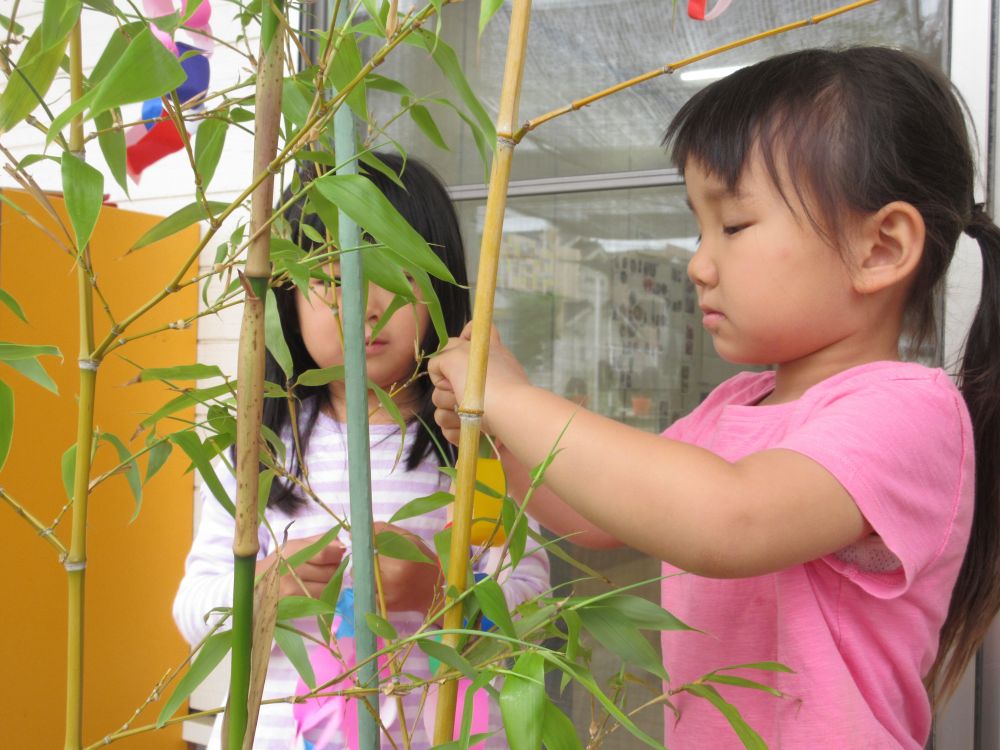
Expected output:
(471, 408)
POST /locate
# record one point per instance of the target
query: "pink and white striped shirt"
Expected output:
(208, 578)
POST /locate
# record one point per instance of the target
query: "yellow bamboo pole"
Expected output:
(471, 409)
(76, 559)
(671, 67)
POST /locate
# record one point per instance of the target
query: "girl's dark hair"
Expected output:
(425, 204)
(857, 129)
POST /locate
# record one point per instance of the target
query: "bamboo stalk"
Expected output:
(250, 372)
(471, 409)
(76, 559)
(671, 67)
(358, 444)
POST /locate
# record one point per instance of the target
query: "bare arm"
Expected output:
(681, 503)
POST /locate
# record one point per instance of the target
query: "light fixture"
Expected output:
(708, 74)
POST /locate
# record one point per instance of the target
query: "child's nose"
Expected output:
(378, 302)
(701, 270)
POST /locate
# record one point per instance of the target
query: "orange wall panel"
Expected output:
(133, 568)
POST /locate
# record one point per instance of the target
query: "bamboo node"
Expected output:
(89, 364)
(179, 325)
(73, 567)
(506, 140)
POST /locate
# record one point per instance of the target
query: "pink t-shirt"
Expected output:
(860, 627)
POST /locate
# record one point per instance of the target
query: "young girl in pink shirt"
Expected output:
(835, 514)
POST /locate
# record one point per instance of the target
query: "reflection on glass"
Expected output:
(579, 47)
(594, 299)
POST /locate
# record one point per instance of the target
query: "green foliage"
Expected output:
(31, 78)
(208, 657)
(546, 634)
(6, 421)
(83, 189)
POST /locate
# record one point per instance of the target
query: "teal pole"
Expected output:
(358, 447)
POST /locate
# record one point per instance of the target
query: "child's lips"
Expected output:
(711, 319)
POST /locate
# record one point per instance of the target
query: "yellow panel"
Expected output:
(133, 568)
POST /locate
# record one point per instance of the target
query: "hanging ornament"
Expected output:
(158, 136)
(696, 9)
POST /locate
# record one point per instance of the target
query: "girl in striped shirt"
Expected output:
(310, 328)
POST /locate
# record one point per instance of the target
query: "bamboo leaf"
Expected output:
(391, 409)
(370, 160)
(31, 78)
(770, 666)
(487, 9)
(558, 732)
(294, 607)
(307, 553)
(58, 19)
(201, 457)
(747, 735)
(83, 188)
(728, 679)
(33, 370)
(181, 372)
(522, 702)
(11, 352)
(209, 141)
(209, 655)
(112, 142)
(295, 98)
(447, 656)
(494, 605)
(423, 505)
(12, 305)
(449, 64)
(145, 70)
(178, 220)
(381, 627)
(158, 456)
(274, 336)
(399, 547)
(461, 744)
(186, 401)
(131, 471)
(294, 648)
(613, 631)
(6, 421)
(582, 676)
(344, 67)
(381, 269)
(67, 466)
(321, 376)
(425, 121)
(640, 612)
(358, 197)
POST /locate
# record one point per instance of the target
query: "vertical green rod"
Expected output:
(76, 558)
(250, 375)
(358, 446)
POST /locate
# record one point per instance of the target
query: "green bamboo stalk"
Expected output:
(76, 560)
(250, 371)
(471, 409)
(358, 445)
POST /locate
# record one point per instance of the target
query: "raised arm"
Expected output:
(683, 504)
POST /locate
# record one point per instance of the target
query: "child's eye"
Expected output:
(734, 229)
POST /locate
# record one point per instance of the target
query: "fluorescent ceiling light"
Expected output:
(708, 74)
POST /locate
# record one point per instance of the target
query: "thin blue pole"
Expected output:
(358, 446)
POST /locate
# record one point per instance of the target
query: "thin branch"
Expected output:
(671, 67)
(45, 533)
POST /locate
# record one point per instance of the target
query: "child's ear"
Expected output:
(890, 247)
